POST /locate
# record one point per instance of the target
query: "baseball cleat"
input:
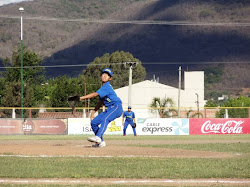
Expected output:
(102, 144)
(95, 139)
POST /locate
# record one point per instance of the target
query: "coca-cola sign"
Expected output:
(228, 127)
(220, 126)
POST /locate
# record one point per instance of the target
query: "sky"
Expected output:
(4, 2)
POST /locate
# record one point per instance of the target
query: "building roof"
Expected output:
(60, 115)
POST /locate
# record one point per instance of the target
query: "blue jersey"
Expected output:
(108, 95)
(129, 115)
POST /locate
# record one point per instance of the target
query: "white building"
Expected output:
(144, 92)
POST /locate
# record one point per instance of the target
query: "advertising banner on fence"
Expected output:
(33, 126)
(10, 126)
(82, 126)
(162, 126)
(220, 126)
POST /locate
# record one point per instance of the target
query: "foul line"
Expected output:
(78, 156)
(105, 181)
(185, 181)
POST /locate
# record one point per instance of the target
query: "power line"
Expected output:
(55, 66)
(62, 66)
(145, 63)
(137, 22)
(194, 63)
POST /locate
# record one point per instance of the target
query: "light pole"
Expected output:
(179, 92)
(130, 64)
(198, 105)
(21, 9)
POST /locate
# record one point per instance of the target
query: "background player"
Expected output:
(129, 117)
(114, 109)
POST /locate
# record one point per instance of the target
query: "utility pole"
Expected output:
(198, 105)
(85, 92)
(85, 100)
(179, 92)
(21, 10)
(131, 65)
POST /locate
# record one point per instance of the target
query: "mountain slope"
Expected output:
(77, 42)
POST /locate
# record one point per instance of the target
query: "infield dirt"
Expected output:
(115, 148)
(122, 148)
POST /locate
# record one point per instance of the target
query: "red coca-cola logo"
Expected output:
(231, 126)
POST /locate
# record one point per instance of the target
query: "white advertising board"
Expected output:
(145, 126)
(162, 126)
(82, 126)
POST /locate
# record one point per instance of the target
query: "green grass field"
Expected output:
(236, 167)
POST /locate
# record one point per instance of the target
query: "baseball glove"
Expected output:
(73, 101)
(134, 125)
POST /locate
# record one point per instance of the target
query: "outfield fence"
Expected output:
(145, 126)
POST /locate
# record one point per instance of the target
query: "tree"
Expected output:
(213, 75)
(2, 87)
(242, 112)
(211, 103)
(33, 76)
(60, 88)
(115, 61)
(164, 107)
(32, 73)
(12, 97)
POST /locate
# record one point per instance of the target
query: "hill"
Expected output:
(69, 39)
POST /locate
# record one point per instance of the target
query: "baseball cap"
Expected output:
(129, 107)
(108, 71)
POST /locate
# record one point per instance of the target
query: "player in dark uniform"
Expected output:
(129, 117)
(114, 109)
